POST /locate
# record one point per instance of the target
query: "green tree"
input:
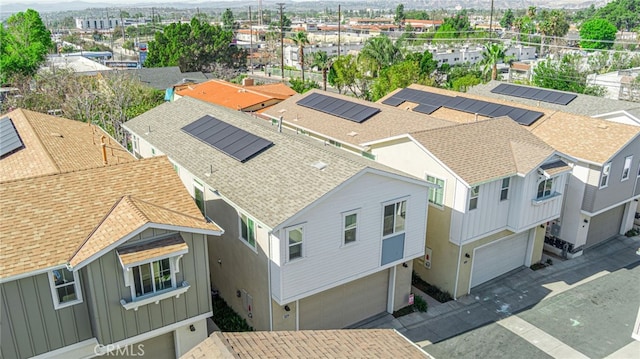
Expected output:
(597, 34)
(559, 75)
(493, 54)
(555, 25)
(228, 21)
(379, 52)
(444, 33)
(195, 46)
(300, 39)
(301, 86)
(463, 83)
(399, 18)
(323, 62)
(507, 19)
(347, 73)
(416, 14)
(460, 24)
(24, 44)
(396, 76)
(624, 14)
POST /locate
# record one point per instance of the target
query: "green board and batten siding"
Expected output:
(113, 323)
(29, 323)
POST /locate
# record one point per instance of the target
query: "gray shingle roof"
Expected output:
(162, 78)
(272, 186)
(581, 105)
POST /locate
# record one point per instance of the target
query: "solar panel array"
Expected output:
(338, 107)
(231, 140)
(429, 102)
(532, 93)
(9, 139)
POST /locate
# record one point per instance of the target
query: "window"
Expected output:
(248, 230)
(295, 236)
(152, 277)
(504, 192)
(350, 221)
(473, 199)
(65, 288)
(198, 195)
(436, 195)
(604, 177)
(545, 188)
(394, 218)
(627, 168)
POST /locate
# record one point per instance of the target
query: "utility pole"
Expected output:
(250, 42)
(281, 5)
(491, 22)
(339, 31)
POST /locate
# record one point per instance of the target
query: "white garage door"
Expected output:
(605, 226)
(498, 258)
(346, 304)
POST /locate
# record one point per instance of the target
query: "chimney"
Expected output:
(246, 82)
(280, 124)
(104, 149)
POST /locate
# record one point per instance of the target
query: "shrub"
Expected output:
(420, 304)
(431, 290)
(226, 319)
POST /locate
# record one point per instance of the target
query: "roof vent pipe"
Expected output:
(280, 124)
(476, 114)
(104, 149)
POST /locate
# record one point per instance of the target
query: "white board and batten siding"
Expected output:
(499, 257)
(326, 261)
(532, 213)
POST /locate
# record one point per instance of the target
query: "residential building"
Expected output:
(245, 97)
(97, 23)
(352, 343)
(315, 237)
(105, 255)
(619, 85)
(600, 199)
(486, 211)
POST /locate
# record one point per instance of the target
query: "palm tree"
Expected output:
(323, 62)
(379, 52)
(300, 39)
(492, 54)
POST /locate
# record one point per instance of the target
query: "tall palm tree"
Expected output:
(300, 39)
(492, 54)
(323, 62)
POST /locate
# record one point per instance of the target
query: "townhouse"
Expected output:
(315, 237)
(496, 183)
(97, 259)
(602, 192)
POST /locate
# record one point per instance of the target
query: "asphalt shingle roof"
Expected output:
(582, 105)
(485, 150)
(389, 122)
(272, 186)
(162, 78)
(346, 343)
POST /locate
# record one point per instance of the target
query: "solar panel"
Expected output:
(393, 101)
(233, 141)
(529, 117)
(338, 107)
(9, 139)
(531, 93)
(426, 109)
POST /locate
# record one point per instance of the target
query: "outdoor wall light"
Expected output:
(286, 308)
(585, 220)
(467, 255)
(238, 293)
(405, 265)
(192, 328)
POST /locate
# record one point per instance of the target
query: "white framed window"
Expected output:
(198, 195)
(473, 197)
(349, 227)
(545, 188)
(504, 190)
(626, 170)
(153, 277)
(394, 218)
(65, 287)
(248, 230)
(604, 177)
(295, 239)
(436, 195)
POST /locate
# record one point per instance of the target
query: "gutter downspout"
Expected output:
(269, 283)
(455, 288)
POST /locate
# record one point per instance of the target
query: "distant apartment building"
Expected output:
(97, 23)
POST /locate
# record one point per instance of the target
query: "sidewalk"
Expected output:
(511, 293)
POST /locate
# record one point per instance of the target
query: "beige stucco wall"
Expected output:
(403, 286)
(282, 319)
(538, 244)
